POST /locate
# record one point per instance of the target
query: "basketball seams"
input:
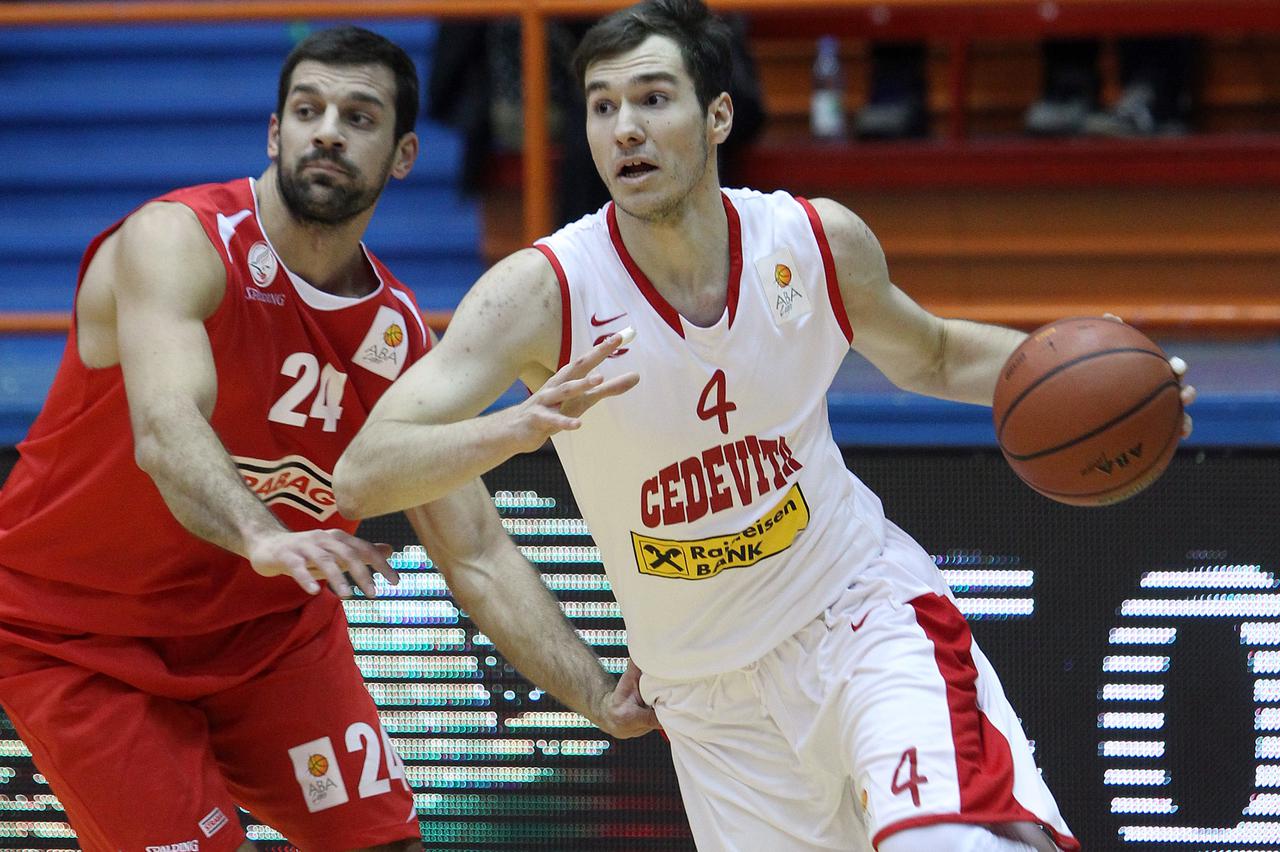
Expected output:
(1120, 350)
(1087, 435)
(1148, 476)
(1119, 418)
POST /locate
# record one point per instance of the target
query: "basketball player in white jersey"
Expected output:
(807, 661)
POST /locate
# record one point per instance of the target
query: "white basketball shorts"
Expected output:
(879, 716)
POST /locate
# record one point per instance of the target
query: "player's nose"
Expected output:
(328, 132)
(628, 129)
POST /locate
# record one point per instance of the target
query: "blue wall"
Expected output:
(98, 120)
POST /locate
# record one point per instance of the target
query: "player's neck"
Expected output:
(328, 257)
(685, 255)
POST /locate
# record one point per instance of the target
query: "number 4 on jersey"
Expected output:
(721, 408)
(326, 407)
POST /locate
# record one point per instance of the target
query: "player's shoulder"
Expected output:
(161, 222)
(159, 243)
(849, 236)
(524, 283)
(584, 232)
(165, 235)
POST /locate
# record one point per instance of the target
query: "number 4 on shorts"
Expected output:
(913, 780)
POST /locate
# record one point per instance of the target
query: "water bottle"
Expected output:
(826, 109)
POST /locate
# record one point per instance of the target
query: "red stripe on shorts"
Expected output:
(984, 764)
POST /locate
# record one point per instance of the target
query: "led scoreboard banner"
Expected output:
(1139, 642)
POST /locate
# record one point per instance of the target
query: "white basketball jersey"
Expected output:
(725, 516)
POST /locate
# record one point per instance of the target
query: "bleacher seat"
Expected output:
(100, 119)
(104, 118)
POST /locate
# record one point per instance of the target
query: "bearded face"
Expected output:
(324, 187)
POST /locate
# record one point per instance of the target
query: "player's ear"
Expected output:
(406, 154)
(273, 138)
(720, 118)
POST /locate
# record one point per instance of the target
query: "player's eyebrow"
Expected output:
(363, 97)
(638, 80)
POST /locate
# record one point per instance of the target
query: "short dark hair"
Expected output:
(356, 46)
(704, 41)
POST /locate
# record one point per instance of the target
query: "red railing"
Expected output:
(958, 22)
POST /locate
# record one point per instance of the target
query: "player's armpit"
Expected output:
(945, 358)
(895, 334)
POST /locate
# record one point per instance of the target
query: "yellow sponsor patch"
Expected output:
(701, 558)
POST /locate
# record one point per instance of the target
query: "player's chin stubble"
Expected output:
(316, 200)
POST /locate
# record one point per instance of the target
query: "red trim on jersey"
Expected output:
(735, 255)
(829, 267)
(566, 330)
(984, 764)
(669, 314)
(1063, 841)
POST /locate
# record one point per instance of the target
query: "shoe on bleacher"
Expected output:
(891, 119)
(1057, 116)
(1134, 116)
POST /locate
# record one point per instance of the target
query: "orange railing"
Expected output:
(957, 20)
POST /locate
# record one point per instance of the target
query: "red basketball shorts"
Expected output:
(150, 744)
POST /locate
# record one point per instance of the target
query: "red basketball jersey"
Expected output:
(86, 541)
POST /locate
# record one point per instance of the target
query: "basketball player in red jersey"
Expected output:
(167, 648)
(819, 686)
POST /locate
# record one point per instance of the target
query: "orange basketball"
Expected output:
(317, 765)
(1087, 411)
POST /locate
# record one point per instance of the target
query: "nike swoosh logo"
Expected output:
(597, 321)
(860, 623)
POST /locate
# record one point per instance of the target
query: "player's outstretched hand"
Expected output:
(558, 405)
(323, 555)
(623, 712)
(1188, 392)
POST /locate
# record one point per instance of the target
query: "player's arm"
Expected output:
(947, 358)
(505, 596)
(165, 279)
(424, 439)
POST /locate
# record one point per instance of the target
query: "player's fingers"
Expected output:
(325, 567)
(1186, 425)
(356, 556)
(385, 551)
(630, 681)
(594, 357)
(615, 386)
(1112, 317)
(568, 390)
(1188, 394)
(1178, 366)
(296, 567)
(373, 555)
(589, 360)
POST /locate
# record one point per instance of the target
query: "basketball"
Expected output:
(1087, 411)
(317, 765)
